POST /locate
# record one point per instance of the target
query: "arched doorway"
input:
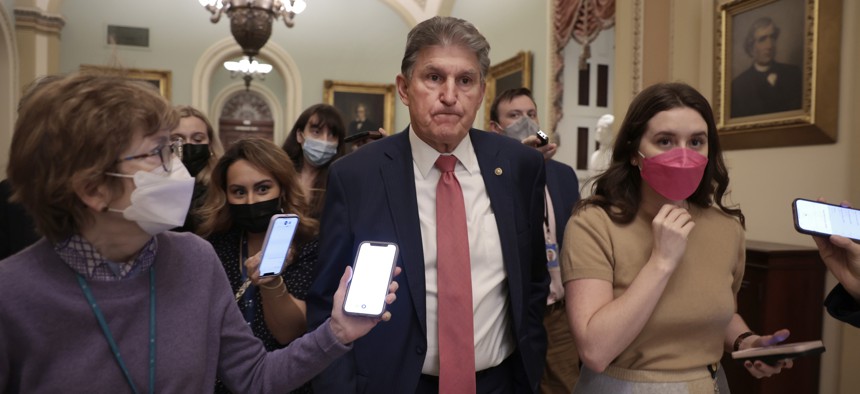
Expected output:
(245, 114)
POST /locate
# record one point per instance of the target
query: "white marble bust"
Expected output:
(601, 158)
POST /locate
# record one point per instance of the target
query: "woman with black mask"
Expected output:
(200, 152)
(253, 181)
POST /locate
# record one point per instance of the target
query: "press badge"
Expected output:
(551, 255)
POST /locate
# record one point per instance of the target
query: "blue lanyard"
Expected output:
(106, 330)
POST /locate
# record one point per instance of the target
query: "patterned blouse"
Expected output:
(297, 276)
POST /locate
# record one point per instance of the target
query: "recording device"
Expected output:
(371, 274)
(823, 219)
(282, 229)
(544, 139)
(374, 135)
(772, 354)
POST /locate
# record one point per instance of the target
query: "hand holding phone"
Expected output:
(276, 246)
(772, 354)
(823, 219)
(373, 270)
(542, 138)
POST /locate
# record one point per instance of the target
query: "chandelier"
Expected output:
(251, 26)
(249, 69)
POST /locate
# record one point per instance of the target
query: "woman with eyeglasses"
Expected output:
(109, 300)
(253, 181)
(200, 152)
(316, 141)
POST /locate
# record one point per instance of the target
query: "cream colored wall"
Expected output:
(764, 181)
(8, 84)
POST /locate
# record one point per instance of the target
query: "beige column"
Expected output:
(38, 37)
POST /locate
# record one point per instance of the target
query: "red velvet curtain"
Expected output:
(581, 21)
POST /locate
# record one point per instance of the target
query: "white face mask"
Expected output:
(521, 129)
(318, 152)
(159, 201)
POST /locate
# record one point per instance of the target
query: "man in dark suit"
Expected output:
(767, 86)
(514, 114)
(361, 122)
(387, 191)
(17, 230)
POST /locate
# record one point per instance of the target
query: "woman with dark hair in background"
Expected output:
(253, 181)
(651, 284)
(200, 152)
(315, 141)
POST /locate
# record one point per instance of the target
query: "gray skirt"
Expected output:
(591, 382)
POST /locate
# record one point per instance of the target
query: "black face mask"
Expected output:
(254, 218)
(195, 157)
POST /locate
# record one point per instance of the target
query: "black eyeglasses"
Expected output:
(162, 151)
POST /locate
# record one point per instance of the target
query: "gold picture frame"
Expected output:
(161, 79)
(809, 31)
(515, 72)
(377, 98)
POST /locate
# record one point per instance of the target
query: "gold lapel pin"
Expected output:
(499, 171)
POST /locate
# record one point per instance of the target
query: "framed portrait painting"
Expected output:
(161, 79)
(364, 106)
(777, 72)
(512, 73)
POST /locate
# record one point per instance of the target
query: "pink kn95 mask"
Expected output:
(675, 174)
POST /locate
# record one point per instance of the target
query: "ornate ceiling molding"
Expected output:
(414, 11)
(39, 20)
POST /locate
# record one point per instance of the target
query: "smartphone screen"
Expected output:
(818, 218)
(372, 271)
(282, 228)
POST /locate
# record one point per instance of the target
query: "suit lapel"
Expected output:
(498, 179)
(399, 183)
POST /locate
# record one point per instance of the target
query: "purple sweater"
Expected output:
(50, 340)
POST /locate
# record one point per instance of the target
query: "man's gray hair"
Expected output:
(445, 31)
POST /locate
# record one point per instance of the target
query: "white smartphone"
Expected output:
(279, 236)
(372, 272)
(822, 219)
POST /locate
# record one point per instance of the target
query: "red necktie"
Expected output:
(454, 283)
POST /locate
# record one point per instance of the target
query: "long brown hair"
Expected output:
(326, 115)
(265, 156)
(618, 190)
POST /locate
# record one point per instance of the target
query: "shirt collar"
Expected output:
(84, 259)
(425, 156)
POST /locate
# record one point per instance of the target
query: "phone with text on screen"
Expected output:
(279, 237)
(823, 219)
(372, 272)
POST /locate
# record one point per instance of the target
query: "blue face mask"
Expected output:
(317, 152)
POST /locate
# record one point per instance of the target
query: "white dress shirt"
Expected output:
(493, 338)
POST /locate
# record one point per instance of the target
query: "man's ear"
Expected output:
(94, 194)
(496, 128)
(402, 85)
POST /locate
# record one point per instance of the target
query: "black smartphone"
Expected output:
(544, 139)
(823, 219)
(374, 135)
(276, 246)
(372, 272)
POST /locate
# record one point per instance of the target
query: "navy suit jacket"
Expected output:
(563, 187)
(842, 306)
(371, 196)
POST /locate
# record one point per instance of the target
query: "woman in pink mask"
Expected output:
(652, 280)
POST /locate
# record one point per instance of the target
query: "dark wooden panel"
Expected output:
(783, 287)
